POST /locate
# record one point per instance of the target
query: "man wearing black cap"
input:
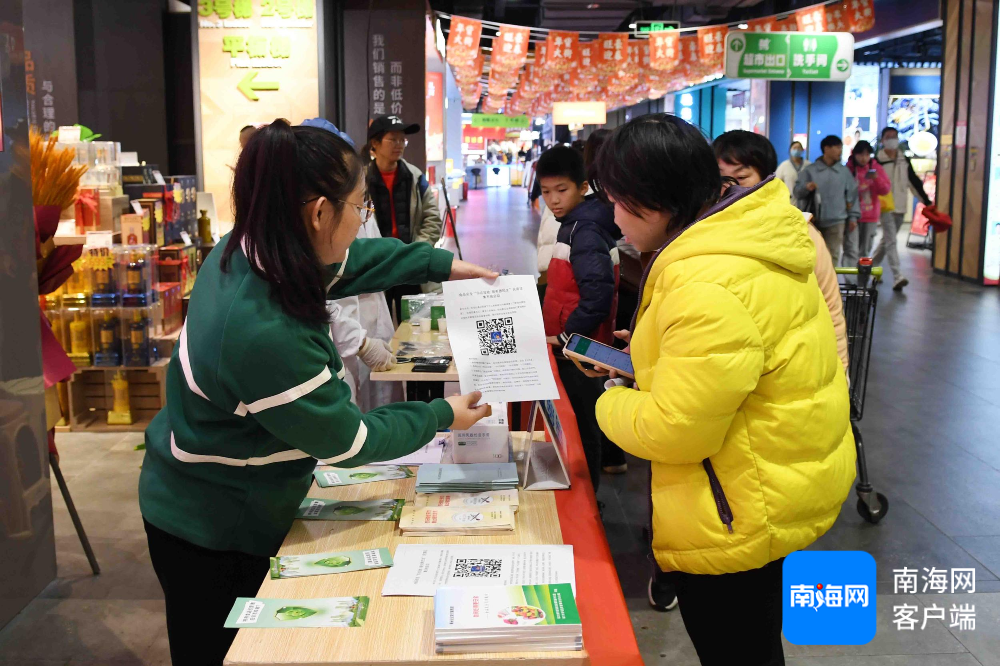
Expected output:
(405, 207)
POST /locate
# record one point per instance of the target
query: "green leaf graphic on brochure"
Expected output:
(294, 612)
(336, 561)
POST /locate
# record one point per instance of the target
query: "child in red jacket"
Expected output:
(582, 292)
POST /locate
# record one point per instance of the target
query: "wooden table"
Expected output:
(403, 372)
(398, 630)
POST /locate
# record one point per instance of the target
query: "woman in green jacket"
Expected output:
(254, 389)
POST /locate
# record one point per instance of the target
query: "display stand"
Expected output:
(545, 461)
(449, 214)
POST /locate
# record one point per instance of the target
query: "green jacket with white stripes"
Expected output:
(254, 396)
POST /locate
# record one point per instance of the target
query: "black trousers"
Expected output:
(733, 618)
(583, 392)
(200, 586)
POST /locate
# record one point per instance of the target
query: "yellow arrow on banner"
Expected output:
(247, 86)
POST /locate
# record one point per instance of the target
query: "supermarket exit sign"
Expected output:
(643, 28)
(790, 56)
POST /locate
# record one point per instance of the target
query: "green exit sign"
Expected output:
(641, 29)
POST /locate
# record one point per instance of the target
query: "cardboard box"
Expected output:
(486, 442)
(167, 219)
(135, 228)
(112, 208)
(138, 175)
(186, 197)
(154, 211)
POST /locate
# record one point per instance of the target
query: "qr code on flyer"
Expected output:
(477, 568)
(496, 336)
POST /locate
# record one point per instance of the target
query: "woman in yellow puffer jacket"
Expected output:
(740, 401)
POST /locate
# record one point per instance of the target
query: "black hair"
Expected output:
(247, 127)
(795, 142)
(740, 147)
(561, 161)
(593, 145)
(658, 162)
(281, 167)
(888, 128)
(830, 140)
(859, 147)
(862, 146)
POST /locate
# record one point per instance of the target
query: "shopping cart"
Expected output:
(860, 298)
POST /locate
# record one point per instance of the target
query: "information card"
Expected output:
(498, 339)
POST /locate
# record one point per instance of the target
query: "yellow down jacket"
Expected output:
(742, 403)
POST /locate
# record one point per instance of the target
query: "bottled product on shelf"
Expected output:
(108, 348)
(77, 331)
(136, 334)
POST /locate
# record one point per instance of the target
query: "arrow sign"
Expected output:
(247, 86)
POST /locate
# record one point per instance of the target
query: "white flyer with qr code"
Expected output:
(498, 339)
(419, 570)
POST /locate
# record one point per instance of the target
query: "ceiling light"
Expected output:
(593, 5)
(632, 25)
(743, 26)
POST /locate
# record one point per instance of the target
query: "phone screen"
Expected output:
(601, 353)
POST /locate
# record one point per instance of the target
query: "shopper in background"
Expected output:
(831, 194)
(405, 207)
(788, 171)
(254, 389)
(582, 292)
(735, 150)
(245, 135)
(736, 366)
(361, 325)
(903, 178)
(612, 457)
(872, 183)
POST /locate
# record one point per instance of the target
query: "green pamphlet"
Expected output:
(255, 613)
(328, 477)
(314, 508)
(294, 566)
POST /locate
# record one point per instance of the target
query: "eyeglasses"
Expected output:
(365, 210)
(398, 142)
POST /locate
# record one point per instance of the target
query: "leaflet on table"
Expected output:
(429, 453)
(255, 613)
(419, 570)
(328, 477)
(314, 508)
(488, 498)
(295, 566)
(433, 519)
(504, 608)
(498, 339)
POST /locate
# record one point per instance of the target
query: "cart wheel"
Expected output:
(866, 511)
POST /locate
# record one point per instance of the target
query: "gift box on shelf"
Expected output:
(186, 199)
(105, 281)
(136, 334)
(170, 297)
(138, 175)
(77, 335)
(167, 217)
(155, 218)
(106, 324)
(87, 209)
(135, 265)
(136, 228)
(112, 207)
(178, 263)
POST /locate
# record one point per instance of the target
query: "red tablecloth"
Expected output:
(607, 628)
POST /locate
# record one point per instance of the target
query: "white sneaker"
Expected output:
(900, 283)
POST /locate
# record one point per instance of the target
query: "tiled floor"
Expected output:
(930, 427)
